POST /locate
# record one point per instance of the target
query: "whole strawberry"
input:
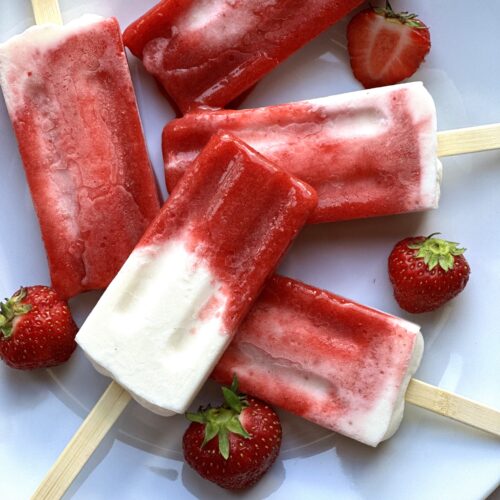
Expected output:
(235, 444)
(36, 329)
(386, 47)
(427, 272)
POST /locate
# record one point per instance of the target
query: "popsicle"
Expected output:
(337, 363)
(367, 153)
(71, 102)
(166, 318)
(207, 52)
(342, 365)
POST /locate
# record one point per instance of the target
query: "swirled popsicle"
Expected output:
(173, 308)
(330, 360)
(367, 153)
(207, 52)
(72, 105)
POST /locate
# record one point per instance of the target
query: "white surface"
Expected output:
(429, 457)
(165, 369)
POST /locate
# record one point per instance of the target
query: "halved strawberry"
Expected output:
(386, 47)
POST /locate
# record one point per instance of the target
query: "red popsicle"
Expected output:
(70, 98)
(207, 52)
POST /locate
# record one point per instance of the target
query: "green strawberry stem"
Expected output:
(402, 17)
(223, 420)
(10, 309)
(436, 251)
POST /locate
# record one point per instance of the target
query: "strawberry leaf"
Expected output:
(224, 419)
(436, 251)
(446, 262)
(6, 331)
(224, 443)
(432, 261)
(234, 384)
(232, 400)
(196, 417)
(405, 17)
(234, 426)
(10, 309)
(6, 308)
(211, 430)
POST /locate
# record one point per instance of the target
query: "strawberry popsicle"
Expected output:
(339, 364)
(367, 153)
(167, 317)
(71, 102)
(207, 52)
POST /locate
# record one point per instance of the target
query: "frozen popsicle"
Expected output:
(71, 102)
(166, 318)
(366, 153)
(207, 52)
(337, 363)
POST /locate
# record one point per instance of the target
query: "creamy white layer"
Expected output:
(158, 329)
(385, 417)
(23, 51)
(424, 115)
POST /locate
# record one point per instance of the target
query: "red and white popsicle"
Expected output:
(165, 320)
(367, 153)
(342, 365)
(205, 53)
(72, 105)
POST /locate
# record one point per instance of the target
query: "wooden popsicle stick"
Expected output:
(452, 406)
(88, 437)
(46, 11)
(469, 140)
(115, 399)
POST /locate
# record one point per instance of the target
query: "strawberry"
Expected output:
(427, 272)
(36, 329)
(386, 47)
(235, 444)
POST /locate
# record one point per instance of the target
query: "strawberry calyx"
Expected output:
(10, 309)
(224, 419)
(407, 18)
(436, 251)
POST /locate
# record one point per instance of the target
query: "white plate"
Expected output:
(430, 457)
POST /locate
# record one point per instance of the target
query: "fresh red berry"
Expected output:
(427, 272)
(235, 444)
(386, 47)
(36, 329)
